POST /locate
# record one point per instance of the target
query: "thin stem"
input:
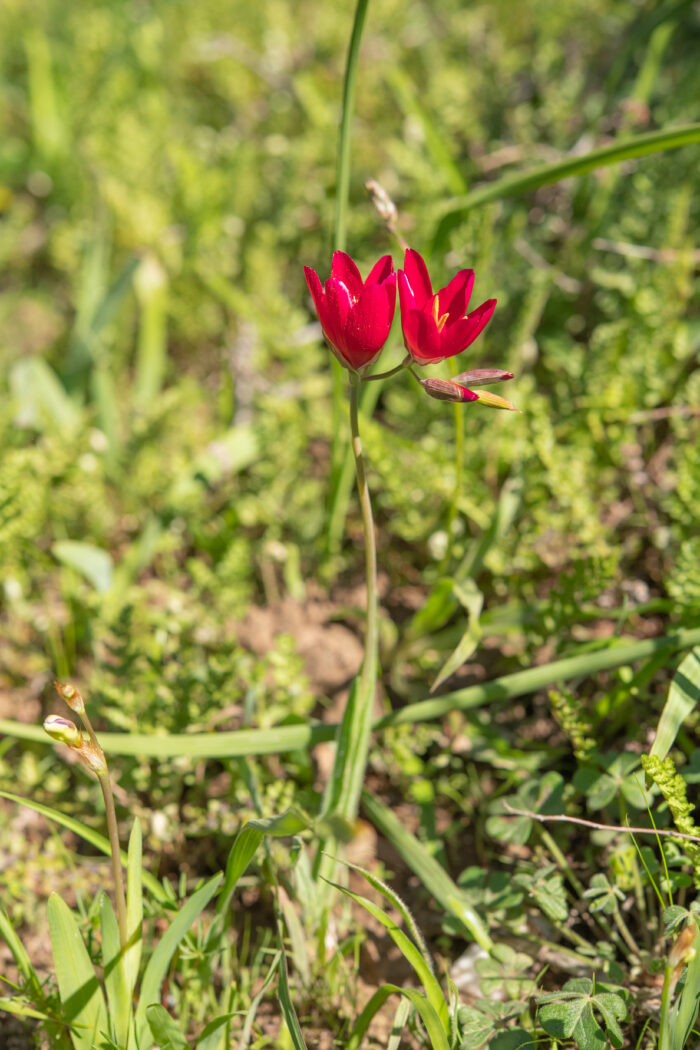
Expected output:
(391, 372)
(117, 873)
(369, 663)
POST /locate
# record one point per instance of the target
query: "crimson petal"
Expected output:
(417, 275)
(344, 269)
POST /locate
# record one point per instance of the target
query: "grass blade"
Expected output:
(80, 992)
(436, 1034)
(288, 1012)
(290, 738)
(134, 907)
(22, 960)
(160, 960)
(87, 834)
(683, 696)
(458, 208)
(116, 985)
(410, 953)
(429, 871)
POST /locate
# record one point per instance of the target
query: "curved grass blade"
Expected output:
(21, 1009)
(88, 835)
(432, 875)
(160, 960)
(288, 1012)
(246, 844)
(436, 1034)
(683, 696)
(81, 996)
(165, 1030)
(458, 208)
(410, 953)
(21, 957)
(291, 738)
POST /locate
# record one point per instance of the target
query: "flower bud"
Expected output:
(482, 376)
(72, 697)
(447, 390)
(63, 731)
(93, 757)
(485, 397)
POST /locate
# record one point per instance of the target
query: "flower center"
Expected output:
(439, 321)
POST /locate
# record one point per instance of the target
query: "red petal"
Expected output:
(417, 275)
(315, 287)
(480, 317)
(344, 269)
(367, 327)
(337, 306)
(453, 300)
(382, 269)
(424, 345)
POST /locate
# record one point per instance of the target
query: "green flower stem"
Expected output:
(113, 832)
(115, 850)
(369, 663)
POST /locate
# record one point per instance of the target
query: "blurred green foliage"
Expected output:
(165, 170)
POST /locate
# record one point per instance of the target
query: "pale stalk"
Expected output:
(115, 850)
(113, 832)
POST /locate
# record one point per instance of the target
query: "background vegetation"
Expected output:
(170, 536)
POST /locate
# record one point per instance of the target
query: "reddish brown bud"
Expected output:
(482, 376)
(447, 390)
(72, 697)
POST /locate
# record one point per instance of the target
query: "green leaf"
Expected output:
(214, 1033)
(513, 185)
(544, 795)
(81, 996)
(682, 699)
(246, 844)
(472, 600)
(134, 907)
(165, 1030)
(91, 562)
(569, 1014)
(116, 985)
(160, 960)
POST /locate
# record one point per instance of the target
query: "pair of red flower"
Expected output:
(356, 318)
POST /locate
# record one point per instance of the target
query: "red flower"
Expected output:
(355, 316)
(436, 326)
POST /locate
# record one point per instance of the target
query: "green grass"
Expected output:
(171, 464)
